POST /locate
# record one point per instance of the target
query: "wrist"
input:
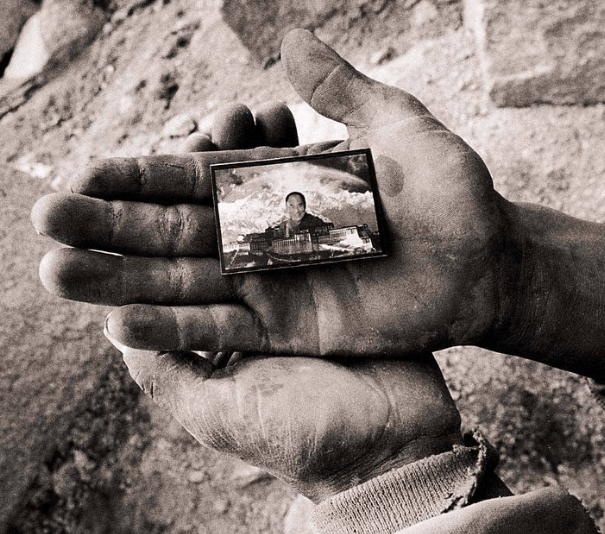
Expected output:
(368, 467)
(551, 291)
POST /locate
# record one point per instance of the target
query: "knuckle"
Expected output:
(173, 228)
(140, 174)
(199, 175)
(116, 221)
(178, 277)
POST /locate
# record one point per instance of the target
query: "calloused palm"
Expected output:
(440, 284)
(318, 425)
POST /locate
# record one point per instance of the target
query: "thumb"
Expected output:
(335, 89)
(171, 379)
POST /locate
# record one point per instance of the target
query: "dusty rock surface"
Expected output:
(56, 32)
(393, 25)
(30, 55)
(535, 52)
(15, 13)
(112, 461)
(67, 26)
(50, 359)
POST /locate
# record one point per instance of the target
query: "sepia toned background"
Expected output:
(81, 450)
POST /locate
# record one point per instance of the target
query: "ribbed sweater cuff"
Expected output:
(412, 493)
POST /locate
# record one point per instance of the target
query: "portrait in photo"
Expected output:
(297, 211)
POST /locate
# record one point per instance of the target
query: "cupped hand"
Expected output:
(321, 426)
(439, 286)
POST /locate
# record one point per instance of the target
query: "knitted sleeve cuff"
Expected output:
(414, 492)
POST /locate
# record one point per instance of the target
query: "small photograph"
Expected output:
(296, 211)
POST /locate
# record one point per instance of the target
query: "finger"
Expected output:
(169, 378)
(337, 90)
(150, 368)
(198, 142)
(275, 125)
(220, 327)
(109, 279)
(174, 380)
(167, 178)
(126, 227)
(222, 359)
(233, 128)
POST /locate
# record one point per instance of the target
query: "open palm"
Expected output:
(438, 286)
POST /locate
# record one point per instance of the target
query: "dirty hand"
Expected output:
(464, 267)
(320, 426)
(436, 288)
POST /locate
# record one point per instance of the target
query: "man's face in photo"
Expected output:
(295, 207)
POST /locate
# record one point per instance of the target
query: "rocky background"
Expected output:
(81, 450)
